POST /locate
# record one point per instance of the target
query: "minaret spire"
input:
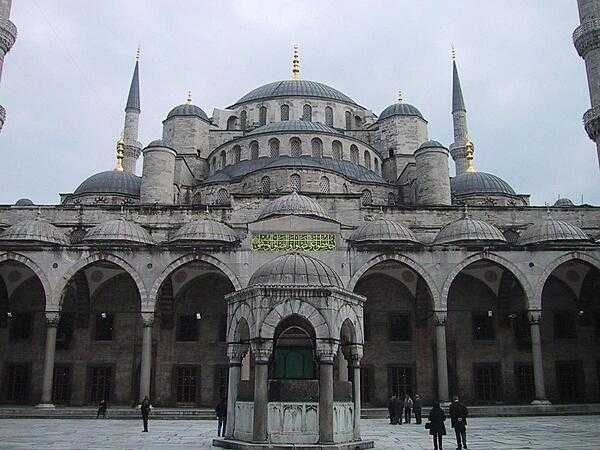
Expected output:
(133, 99)
(131, 147)
(458, 149)
(296, 64)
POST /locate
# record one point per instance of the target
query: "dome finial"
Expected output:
(470, 153)
(189, 98)
(296, 64)
(453, 52)
(120, 154)
(399, 96)
(138, 53)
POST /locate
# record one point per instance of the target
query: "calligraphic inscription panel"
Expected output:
(307, 242)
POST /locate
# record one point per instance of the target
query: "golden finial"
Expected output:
(120, 154)
(399, 96)
(138, 53)
(453, 53)
(296, 64)
(189, 98)
(470, 153)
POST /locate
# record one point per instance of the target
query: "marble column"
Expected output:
(534, 317)
(441, 358)
(342, 367)
(262, 354)
(146, 363)
(52, 319)
(326, 354)
(355, 357)
(235, 353)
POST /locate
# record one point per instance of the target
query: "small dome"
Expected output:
(293, 204)
(35, 230)
(295, 269)
(552, 231)
(111, 182)
(292, 126)
(119, 231)
(479, 183)
(187, 110)
(156, 143)
(294, 88)
(383, 231)
(467, 230)
(24, 202)
(205, 230)
(431, 144)
(563, 202)
(400, 109)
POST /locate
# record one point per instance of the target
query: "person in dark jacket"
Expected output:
(221, 412)
(392, 409)
(408, 406)
(399, 409)
(458, 418)
(145, 408)
(417, 409)
(437, 429)
(102, 407)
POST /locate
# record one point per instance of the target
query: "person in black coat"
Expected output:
(392, 409)
(399, 409)
(221, 412)
(437, 429)
(458, 418)
(145, 408)
(417, 409)
(102, 407)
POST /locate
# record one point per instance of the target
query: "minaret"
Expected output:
(458, 149)
(8, 36)
(587, 42)
(132, 118)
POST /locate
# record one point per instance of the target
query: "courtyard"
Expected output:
(548, 433)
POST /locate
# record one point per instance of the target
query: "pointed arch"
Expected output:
(266, 328)
(37, 270)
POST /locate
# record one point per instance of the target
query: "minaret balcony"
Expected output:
(8, 34)
(2, 116)
(586, 37)
(591, 120)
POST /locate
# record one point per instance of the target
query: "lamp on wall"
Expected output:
(103, 315)
(9, 315)
(198, 316)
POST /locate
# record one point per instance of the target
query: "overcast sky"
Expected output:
(66, 79)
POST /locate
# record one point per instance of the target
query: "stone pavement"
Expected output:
(547, 433)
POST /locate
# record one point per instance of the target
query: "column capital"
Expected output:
(262, 350)
(355, 355)
(148, 318)
(534, 316)
(440, 318)
(52, 319)
(236, 352)
(326, 350)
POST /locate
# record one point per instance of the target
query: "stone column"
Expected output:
(355, 357)
(342, 367)
(52, 319)
(442, 361)
(534, 317)
(262, 353)
(326, 351)
(235, 353)
(146, 363)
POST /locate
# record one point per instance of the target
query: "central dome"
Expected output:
(295, 269)
(111, 182)
(479, 183)
(294, 88)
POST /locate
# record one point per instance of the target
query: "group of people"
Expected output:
(145, 408)
(399, 407)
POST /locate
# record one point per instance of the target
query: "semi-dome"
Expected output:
(469, 231)
(24, 202)
(111, 182)
(187, 110)
(383, 231)
(294, 204)
(294, 88)
(431, 144)
(552, 231)
(479, 183)
(293, 126)
(564, 202)
(204, 231)
(295, 269)
(400, 109)
(34, 230)
(118, 231)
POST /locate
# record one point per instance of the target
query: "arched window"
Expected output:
(265, 185)
(376, 161)
(243, 119)
(295, 182)
(232, 123)
(213, 167)
(367, 160)
(329, 116)
(357, 122)
(307, 113)
(391, 150)
(317, 147)
(295, 147)
(254, 150)
(237, 154)
(354, 155)
(222, 197)
(223, 158)
(391, 199)
(346, 190)
(336, 150)
(285, 112)
(274, 147)
(367, 197)
(348, 120)
(324, 185)
(262, 115)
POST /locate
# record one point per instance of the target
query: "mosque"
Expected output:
(296, 245)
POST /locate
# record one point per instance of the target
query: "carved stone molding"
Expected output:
(52, 319)
(326, 350)
(236, 352)
(440, 318)
(148, 319)
(262, 350)
(534, 316)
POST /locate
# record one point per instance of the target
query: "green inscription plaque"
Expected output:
(318, 242)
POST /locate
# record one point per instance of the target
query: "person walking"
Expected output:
(145, 408)
(102, 407)
(436, 426)
(408, 405)
(392, 409)
(458, 418)
(221, 412)
(417, 409)
(399, 409)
